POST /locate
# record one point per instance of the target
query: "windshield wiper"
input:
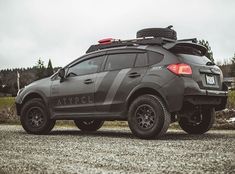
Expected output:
(210, 63)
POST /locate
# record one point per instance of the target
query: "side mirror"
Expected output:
(61, 74)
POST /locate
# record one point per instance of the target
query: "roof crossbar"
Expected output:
(132, 42)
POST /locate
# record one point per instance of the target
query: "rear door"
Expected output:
(122, 72)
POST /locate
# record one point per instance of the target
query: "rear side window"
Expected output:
(120, 61)
(141, 60)
(154, 57)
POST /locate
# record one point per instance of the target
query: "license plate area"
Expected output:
(210, 79)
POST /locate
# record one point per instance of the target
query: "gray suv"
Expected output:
(150, 82)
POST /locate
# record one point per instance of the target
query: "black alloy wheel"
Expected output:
(35, 117)
(89, 125)
(148, 117)
(199, 122)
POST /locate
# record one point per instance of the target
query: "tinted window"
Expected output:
(201, 60)
(120, 61)
(141, 60)
(186, 50)
(155, 58)
(86, 67)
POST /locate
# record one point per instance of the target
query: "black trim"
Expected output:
(18, 108)
(133, 42)
(100, 116)
(85, 59)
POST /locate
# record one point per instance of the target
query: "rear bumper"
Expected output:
(217, 93)
(196, 96)
(218, 102)
(182, 91)
(212, 93)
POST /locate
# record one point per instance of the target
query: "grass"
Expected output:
(8, 111)
(231, 99)
(7, 101)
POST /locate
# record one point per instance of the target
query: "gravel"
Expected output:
(115, 150)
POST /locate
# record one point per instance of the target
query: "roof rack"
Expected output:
(132, 42)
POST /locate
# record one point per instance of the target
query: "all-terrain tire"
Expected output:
(89, 125)
(35, 117)
(157, 32)
(207, 118)
(153, 122)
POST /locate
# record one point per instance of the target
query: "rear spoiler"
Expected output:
(184, 44)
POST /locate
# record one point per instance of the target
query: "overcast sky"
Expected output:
(62, 30)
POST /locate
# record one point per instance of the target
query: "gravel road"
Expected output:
(115, 150)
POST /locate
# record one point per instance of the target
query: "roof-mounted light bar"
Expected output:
(106, 41)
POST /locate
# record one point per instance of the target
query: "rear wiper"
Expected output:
(210, 63)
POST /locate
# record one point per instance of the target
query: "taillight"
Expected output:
(180, 68)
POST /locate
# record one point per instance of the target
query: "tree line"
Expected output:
(227, 67)
(8, 77)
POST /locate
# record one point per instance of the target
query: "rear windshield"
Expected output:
(186, 50)
(193, 59)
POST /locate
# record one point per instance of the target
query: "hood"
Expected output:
(39, 82)
(41, 87)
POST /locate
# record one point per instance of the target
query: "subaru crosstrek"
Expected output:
(150, 82)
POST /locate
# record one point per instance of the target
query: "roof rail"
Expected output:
(194, 40)
(131, 42)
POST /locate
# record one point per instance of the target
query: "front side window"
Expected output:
(120, 61)
(86, 67)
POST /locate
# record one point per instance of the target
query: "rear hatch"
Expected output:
(204, 71)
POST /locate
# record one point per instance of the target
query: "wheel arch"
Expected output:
(29, 96)
(136, 92)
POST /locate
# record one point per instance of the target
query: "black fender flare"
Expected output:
(20, 100)
(37, 92)
(157, 88)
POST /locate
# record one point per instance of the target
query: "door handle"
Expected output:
(134, 74)
(88, 81)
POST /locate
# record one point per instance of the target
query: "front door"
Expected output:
(75, 95)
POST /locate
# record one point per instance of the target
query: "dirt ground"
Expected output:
(115, 150)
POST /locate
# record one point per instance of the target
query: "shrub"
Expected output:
(231, 99)
(7, 110)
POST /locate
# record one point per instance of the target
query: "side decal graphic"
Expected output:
(99, 79)
(115, 85)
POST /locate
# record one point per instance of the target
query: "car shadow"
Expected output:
(101, 133)
(170, 135)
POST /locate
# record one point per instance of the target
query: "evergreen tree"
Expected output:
(40, 69)
(209, 53)
(49, 68)
(232, 67)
